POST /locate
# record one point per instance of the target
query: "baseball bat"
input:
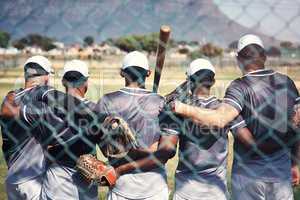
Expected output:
(161, 54)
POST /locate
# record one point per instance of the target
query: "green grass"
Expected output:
(105, 78)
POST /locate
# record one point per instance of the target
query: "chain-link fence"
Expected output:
(237, 139)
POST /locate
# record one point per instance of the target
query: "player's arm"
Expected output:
(219, 117)
(232, 105)
(245, 136)
(241, 133)
(9, 109)
(295, 149)
(167, 145)
(166, 150)
(296, 117)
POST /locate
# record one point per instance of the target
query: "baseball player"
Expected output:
(23, 154)
(61, 180)
(140, 108)
(68, 128)
(201, 170)
(265, 99)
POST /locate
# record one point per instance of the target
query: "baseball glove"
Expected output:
(117, 138)
(95, 171)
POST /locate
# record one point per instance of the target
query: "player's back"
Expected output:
(64, 151)
(268, 101)
(140, 109)
(74, 138)
(270, 98)
(197, 142)
(23, 154)
(202, 152)
(64, 136)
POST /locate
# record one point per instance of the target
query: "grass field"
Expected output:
(105, 78)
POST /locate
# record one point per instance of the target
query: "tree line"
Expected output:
(146, 42)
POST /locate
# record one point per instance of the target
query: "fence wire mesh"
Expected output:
(238, 139)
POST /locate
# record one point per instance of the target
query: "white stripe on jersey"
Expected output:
(209, 102)
(171, 131)
(260, 70)
(297, 99)
(141, 89)
(135, 94)
(19, 94)
(233, 101)
(24, 114)
(46, 92)
(236, 125)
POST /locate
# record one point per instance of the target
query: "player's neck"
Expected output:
(30, 84)
(253, 68)
(76, 93)
(135, 85)
(203, 96)
(202, 93)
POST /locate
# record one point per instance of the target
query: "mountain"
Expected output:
(71, 20)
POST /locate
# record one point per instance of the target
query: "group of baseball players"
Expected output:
(41, 143)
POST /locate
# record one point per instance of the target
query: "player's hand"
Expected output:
(177, 107)
(295, 175)
(9, 109)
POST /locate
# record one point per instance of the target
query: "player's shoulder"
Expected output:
(155, 96)
(212, 102)
(111, 95)
(239, 80)
(89, 103)
(238, 83)
(282, 76)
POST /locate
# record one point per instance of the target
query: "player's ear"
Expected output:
(148, 73)
(86, 86)
(264, 58)
(122, 73)
(213, 82)
(46, 79)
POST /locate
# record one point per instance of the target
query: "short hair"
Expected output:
(252, 51)
(204, 77)
(135, 74)
(73, 79)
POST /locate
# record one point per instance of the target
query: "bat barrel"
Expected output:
(160, 54)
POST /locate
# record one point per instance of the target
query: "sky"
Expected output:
(278, 18)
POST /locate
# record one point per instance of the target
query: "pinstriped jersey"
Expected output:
(64, 134)
(23, 153)
(265, 99)
(202, 150)
(140, 109)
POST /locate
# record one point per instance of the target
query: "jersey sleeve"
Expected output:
(33, 113)
(234, 96)
(170, 124)
(297, 102)
(236, 124)
(102, 105)
(294, 92)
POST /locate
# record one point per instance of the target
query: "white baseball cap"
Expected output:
(247, 40)
(42, 61)
(77, 66)
(135, 59)
(199, 64)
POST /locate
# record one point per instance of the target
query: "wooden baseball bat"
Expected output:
(161, 54)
